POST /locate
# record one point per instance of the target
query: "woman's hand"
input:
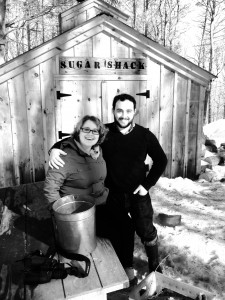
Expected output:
(54, 160)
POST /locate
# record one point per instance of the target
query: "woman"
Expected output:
(84, 171)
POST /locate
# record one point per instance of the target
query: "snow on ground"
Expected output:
(215, 131)
(193, 251)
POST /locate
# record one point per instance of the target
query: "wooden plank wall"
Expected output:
(27, 126)
(47, 71)
(175, 116)
(6, 150)
(74, 17)
(35, 123)
(186, 131)
(200, 139)
(193, 137)
(21, 149)
(154, 101)
(28, 113)
(166, 115)
(179, 122)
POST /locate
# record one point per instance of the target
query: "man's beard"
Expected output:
(123, 126)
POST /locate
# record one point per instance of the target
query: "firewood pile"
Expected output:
(212, 161)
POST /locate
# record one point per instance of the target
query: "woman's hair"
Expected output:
(100, 127)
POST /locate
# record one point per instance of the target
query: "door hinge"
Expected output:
(146, 94)
(62, 134)
(60, 95)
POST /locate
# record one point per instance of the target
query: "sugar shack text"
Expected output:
(100, 63)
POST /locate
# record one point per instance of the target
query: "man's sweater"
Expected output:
(125, 158)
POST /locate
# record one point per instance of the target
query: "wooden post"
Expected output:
(187, 128)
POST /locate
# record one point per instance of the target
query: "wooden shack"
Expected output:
(45, 91)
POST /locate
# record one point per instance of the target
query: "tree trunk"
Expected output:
(211, 53)
(134, 12)
(43, 23)
(2, 31)
(206, 106)
(201, 61)
(146, 21)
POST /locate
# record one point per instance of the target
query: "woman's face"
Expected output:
(89, 139)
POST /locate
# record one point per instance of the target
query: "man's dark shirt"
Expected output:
(125, 158)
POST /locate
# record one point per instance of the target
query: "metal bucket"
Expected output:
(74, 218)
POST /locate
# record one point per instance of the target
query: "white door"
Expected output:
(77, 98)
(132, 87)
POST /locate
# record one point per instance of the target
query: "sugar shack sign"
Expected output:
(77, 65)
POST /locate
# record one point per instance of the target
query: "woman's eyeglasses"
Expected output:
(88, 130)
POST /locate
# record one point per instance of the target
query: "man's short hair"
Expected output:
(123, 97)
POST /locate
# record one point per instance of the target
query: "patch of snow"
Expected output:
(192, 252)
(215, 131)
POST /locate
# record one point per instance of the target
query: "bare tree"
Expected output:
(211, 47)
(134, 13)
(162, 18)
(146, 6)
(2, 30)
(31, 22)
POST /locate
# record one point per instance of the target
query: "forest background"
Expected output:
(191, 28)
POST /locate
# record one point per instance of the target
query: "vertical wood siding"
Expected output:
(20, 138)
(84, 49)
(179, 122)
(99, 50)
(7, 169)
(35, 122)
(186, 131)
(154, 101)
(27, 123)
(200, 129)
(30, 116)
(47, 71)
(193, 130)
(166, 115)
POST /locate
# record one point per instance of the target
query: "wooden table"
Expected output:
(106, 275)
(26, 226)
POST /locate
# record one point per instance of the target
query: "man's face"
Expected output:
(124, 113)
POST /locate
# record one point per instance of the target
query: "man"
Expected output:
(129, 203)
